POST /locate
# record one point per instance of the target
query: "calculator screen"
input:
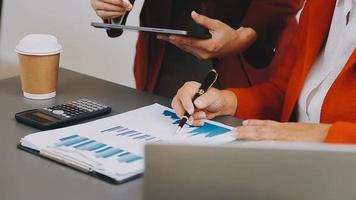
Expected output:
(41, 117)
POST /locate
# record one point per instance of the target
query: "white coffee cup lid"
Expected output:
(38, 44)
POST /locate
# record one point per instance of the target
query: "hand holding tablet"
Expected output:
(224, 39)
(111, 9)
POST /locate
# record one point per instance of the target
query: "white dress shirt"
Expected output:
(340, 45)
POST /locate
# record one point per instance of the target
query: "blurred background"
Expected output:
(85, 49)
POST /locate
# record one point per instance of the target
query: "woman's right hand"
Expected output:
(109, 9)
(210, 105)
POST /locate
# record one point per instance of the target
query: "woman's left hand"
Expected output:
(272, 130)
(224, 41)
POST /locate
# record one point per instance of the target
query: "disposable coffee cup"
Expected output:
(39, 57)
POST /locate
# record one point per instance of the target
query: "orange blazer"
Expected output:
(277, 98)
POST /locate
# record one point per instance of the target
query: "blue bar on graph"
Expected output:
(95, 146)
(124, 154)
(122, 130)
(69, 137)
(141, 137)
(111, 129)
(135, 134)
(132, 158)
(84, 144)
(72, 141)
(209, 130)
(126, 133)
(109, 153)
(114, 152)
(151, 138)
(125, 157)
(105, 149)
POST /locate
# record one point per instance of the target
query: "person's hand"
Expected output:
(211, 104)
(109, 9)
(225, 40)
(272, 130)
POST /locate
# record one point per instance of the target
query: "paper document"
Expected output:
(114, 146)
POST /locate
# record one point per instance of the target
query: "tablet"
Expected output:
(152, 30)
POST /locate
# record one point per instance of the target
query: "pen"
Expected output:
(207, 83)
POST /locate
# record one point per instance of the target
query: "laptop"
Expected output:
(246, 171)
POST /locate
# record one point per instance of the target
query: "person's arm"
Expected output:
(267, 18)
(263, 101)
(342, 132)
(336, 133)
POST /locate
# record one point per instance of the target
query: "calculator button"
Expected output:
(58, 112)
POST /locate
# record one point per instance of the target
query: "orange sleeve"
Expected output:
(342, 133)
(265, 101)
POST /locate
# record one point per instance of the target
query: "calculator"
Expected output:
(62, 115)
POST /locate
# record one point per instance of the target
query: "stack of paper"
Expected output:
(114, 146)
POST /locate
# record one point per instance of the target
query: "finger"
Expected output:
(195, 122)
(256, 133)
(184, 40)
(108, 14)
(197, 52)
(122, 3)
(198, 123)
(163, 37)
(206, 22)
(246, 133)
(200, 115)
(185, 95)
(190, 121)
(208, 99)
(254, 122)
(177, 106)
(212, 115)
(190, 42)
(98, 5)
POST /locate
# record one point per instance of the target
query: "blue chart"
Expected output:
(172, 115)
(209, 130)
(99, 150)
(131, 134)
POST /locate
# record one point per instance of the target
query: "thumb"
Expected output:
(205, 21)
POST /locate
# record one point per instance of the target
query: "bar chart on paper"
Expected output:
(129, 134)
(157, 123)
(98, 150)
(208, 130)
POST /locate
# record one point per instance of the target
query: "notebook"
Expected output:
(112, 148)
